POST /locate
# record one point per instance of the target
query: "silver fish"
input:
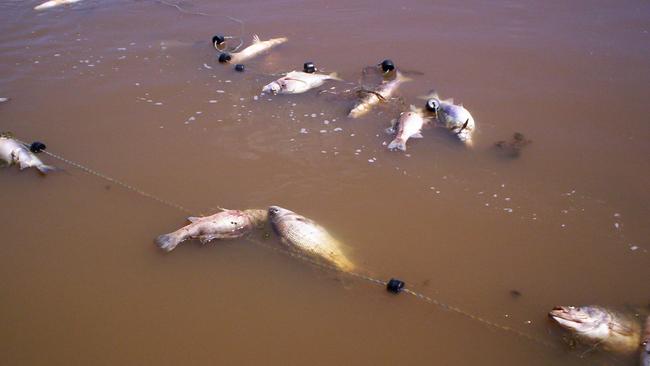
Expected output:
(258, 47)
(381, 93)
(408, 126)
(454, 117)
(306, 236)
(2, 100)
(599, 326)
(54, 3)
(297, 82)
(14, 152)
(227, 224)
(645, 344)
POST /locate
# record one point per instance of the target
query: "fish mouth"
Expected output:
(563, 316)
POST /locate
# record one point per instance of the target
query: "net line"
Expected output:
(310, 260)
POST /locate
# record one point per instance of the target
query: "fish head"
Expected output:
(277, 212)
(588, 321)
(272, 88)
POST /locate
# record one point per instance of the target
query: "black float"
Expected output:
(309, 67)
(395, 286)
(37, 147)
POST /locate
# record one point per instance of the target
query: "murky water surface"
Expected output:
(132, 89)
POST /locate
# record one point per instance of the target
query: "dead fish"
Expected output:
(227, 224)
(599, 326)
(454, 117)
(512, 148)
(297, 82)
(306, 236)
(645, 343)
(258, 47)
(14, 152)
(408, 126)
(380, 94)
(54, 3)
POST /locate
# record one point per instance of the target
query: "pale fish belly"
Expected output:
(363, 106)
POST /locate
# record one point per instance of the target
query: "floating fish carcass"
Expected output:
(599, 326)
(14, 152)
(227, 224)
(645, 344)
(370, 98)
(454, 117)
(297, 82)
(305, 236)
(408, 126)
(54, 3)
(258, 47)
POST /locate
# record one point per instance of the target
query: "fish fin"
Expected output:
(449, 100)
(432, 94)
(402, 78)
(22, 164)
(206, 238)
(334, 76)
(167, 242)
(417, 135)
(256, 38)
(45, 169)
(397, 144)
(193, 219)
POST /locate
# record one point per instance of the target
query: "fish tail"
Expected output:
(335, 76)
(280, 40)
(397, 144)
(167, 242)
(345, 265)
(45, 169)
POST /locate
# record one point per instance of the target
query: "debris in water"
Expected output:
(512, 148)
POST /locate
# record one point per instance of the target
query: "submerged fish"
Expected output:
(599, 326)
(297, 82)
(382, 93)
(512, 148)
(227, 224)
(454, 117)
(54, 3)
(306, 236)
(408, 126)
(645, 344)
(2, 100)
(14, 152)
(258, 47)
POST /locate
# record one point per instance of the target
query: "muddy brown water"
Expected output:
(133, 90)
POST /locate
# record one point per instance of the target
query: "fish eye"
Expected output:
(432, 105)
